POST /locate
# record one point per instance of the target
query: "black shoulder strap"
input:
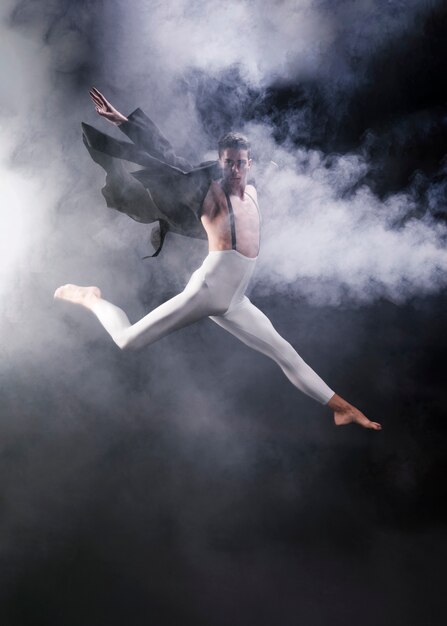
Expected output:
(232, 224)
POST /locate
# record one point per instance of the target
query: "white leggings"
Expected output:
(216, 290)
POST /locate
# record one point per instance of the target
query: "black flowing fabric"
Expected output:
(168, 189)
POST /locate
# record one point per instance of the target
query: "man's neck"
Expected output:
(235, 190)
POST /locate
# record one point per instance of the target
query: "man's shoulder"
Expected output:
(214, 200)
(251, 189)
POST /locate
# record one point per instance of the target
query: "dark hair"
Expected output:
(233, 140)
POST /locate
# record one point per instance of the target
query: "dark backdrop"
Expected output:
(190, 482)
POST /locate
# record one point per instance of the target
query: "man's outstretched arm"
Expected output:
(141, 130)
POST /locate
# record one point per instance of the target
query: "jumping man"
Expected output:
(230, 217)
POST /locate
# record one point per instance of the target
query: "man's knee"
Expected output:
(125, 341)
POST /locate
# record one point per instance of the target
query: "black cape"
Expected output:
(167, 189)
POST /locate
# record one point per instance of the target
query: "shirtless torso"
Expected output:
(216, 220)
(216, 217)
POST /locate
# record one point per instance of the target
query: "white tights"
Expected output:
(216, 290)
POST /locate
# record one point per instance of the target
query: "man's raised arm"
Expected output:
(141, 130)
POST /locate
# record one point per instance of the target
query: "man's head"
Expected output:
(234, 158)
(234, 140)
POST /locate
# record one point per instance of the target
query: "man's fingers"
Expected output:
(96, 101)
(97, 92)
(94, 97)
(102, 99)
(98, 96)
(101, 106)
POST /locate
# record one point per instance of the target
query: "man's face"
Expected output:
(235, 166)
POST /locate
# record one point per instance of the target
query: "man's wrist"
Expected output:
(121, 119)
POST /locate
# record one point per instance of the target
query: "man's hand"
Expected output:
(105, 109)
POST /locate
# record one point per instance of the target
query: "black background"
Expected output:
(190, 483)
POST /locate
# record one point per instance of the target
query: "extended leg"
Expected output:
(184, 309)
(252, 327)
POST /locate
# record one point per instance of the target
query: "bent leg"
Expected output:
(252, 327)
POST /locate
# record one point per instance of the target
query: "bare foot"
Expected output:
(345, 413)
(85, 296)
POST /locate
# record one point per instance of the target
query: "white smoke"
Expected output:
(294, 38)
(326, 236)
(329, 244)
(320, 240)
(26, 197)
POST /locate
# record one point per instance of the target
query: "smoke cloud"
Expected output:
(327, 235)
(188, 458)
